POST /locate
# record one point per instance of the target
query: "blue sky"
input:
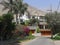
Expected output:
(43, 4)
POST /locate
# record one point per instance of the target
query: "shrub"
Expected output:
(57, 37)
(26, 22)
(38, 30)
(30, 33)
(6, 26)
(30, 37)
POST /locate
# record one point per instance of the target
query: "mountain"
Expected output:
(34, 11)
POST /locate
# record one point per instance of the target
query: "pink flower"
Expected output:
(26, 29)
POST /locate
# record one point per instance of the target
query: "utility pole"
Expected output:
(50, 13)
(58, 6)
(50, 10)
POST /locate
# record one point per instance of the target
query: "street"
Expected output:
(41, 41)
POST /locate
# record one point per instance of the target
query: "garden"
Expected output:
(10, 30)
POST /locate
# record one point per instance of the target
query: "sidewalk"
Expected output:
(57, 42)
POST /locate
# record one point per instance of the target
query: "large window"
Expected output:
(46, 26)
(42, 17)
(33, 16)
(41, 26)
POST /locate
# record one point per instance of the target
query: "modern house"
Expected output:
(40, 15)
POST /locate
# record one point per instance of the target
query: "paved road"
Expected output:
(41, 41)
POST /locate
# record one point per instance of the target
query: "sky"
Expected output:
(43, 4)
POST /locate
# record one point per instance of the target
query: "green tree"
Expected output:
(53, 19)
(38, 29)
(6, 26)
(7, 5)
(16, 7)
(19, 8)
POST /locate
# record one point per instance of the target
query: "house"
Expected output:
(40, 15)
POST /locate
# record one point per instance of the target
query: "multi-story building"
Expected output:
(34, 12)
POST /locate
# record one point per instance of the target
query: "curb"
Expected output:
(29, 41)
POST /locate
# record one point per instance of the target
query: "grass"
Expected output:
(57, 37)
(26, 38)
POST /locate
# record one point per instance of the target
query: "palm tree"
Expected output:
(16, 7)
(7, 5)
(19, 8)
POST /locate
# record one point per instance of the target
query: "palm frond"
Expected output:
(6, 5)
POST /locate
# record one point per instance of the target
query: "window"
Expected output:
(41, 26)
(42, 17)
(21, 20)
(33, 16)
(46, 27)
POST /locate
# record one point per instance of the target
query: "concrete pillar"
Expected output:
(14, 20)
(38, 17)
(44, 27)
(18, 19)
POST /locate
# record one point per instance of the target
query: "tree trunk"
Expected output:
(11, 2)
(52, 31)
(51, 34)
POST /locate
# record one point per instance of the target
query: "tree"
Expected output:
(53, 19)
(6, 26)
(7, 5)
(15, 6)
(19, 8)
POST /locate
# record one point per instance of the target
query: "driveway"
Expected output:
(41, 41)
